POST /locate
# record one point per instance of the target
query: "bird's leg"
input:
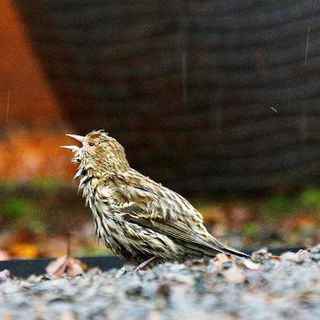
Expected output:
(143, 264)
(125, 271)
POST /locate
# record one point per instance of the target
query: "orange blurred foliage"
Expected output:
(25, 95)
(24, 250)
(26, 155)
(27, 101)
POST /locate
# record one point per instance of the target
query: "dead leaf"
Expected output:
(234, 275)
(66, 266)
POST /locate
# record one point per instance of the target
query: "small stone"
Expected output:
(261, 255)
(234, 275)
(298, 257)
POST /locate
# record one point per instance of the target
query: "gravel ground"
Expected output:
(286, 287)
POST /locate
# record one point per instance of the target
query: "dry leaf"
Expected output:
(66, 266)
(234, 275)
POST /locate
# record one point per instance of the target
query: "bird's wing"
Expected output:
(144, 207)
(178, 231)
(122, 195)
(156, 200)
(137, 205)
(175, 230)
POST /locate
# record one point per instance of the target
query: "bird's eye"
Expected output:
(91, 144)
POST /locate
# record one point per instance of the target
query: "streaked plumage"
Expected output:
(137, 217)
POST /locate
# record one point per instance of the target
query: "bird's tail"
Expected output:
(234, 252)
(212, 249)
(228, 250)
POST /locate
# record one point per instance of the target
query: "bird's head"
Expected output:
(99, 155)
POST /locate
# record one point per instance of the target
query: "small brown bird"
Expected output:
(138, 219)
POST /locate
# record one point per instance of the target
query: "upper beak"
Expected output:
(75, 136)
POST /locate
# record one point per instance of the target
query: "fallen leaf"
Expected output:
(66, 266)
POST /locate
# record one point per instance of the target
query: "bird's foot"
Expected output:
(129, 270)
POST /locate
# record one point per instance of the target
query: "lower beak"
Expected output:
(72, 148)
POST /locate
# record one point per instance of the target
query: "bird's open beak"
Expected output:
(76, 137)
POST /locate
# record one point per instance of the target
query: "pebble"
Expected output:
(269, 288)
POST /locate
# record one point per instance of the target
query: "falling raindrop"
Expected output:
(307, 47)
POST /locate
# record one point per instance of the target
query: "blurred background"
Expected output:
(218, 100)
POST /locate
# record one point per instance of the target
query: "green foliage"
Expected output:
(279, 205)
(23, 210)
(283, 205)
(47, 184)
(251, 228)
(18, 207)
(38, 184)
(310, 199)
(92, 251)
(8, 185)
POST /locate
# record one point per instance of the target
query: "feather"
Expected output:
(176, 231)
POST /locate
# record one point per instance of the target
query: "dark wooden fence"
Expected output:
(205, 95)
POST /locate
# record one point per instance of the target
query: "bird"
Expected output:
(138, 218)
